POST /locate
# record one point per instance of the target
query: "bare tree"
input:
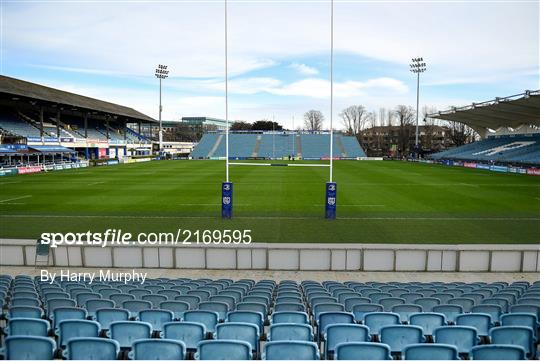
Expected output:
(405, 116)
(354, 119)
(460, 133)
(313, 120)
(429, 127)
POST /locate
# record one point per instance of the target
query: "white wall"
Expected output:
(290, 256)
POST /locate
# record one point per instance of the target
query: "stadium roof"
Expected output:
(26, 89)
(513, 112)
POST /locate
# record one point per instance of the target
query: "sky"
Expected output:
(279, 53)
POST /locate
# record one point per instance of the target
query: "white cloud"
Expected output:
(245, 85)
(320, 88)
(304, 69)
(459, 38)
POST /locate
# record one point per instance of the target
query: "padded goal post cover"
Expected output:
(330, 200)
(226, 199)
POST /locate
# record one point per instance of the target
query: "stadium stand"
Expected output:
(63, 320)
(277, 146)
(523, 149)
(12, 125)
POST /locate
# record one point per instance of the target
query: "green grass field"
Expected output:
(378, 202)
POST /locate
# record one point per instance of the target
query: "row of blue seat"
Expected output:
(84, 348)
(319, 317)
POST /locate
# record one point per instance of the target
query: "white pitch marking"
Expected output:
(534, 219)
(95, 183)
(355, 205)
(288, 164)
(13, 199)
(470, 185)
(210, 204)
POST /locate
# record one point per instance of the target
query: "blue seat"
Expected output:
(170, 294)
(25, 301)
(377, 296)
(223, 350)
(514, 335)
(534, 309)
(239, 331)
(156, 349)
(405, 311)
(362, 351)
(376, 320)
(463, 337)
(203, 295)
(257, 299)
(289, 306)
(156, 318)
(495, 311)
(94, 304)
(411, 297)
(290, 332)
(360, 310)
(135, 306)
(529, 301)
(430, 352)
(27, 327)
(176, 307)
(255, 318)
(67, 313)
(155, 300)
(253, 306)
(466, 303)
(503, 302)
(54, 303)
(69, 329)
(190, 333)
(288, 299)
(327, 307)
(498, 352)
(105, 316)
(139, 292)
(291, 350)
(521, 319)
(399, 336)
(480, 321)
(29, 348)
(449, 311)
(339, 333)
(289, 317)
(353, 301)
(389, 302)
(120, 298)
(208, 318)
(220, 307)
(125, 332)
(81, 298)
(91, 348)
(329, 318)
(229, 300)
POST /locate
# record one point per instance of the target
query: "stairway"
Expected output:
(215, 147)
(341, 146)
(257, 146)
(298, 146)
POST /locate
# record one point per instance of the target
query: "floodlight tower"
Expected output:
(417, 66)
(161, 73)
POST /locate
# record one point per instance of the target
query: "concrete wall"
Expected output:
(291, 256)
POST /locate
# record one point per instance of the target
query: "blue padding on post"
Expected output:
(330, 204)
(226, 199)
